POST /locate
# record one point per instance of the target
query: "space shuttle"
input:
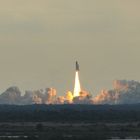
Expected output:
(77, 66)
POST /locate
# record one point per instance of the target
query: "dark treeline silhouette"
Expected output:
(70, 113)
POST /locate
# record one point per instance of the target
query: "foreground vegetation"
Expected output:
(69, 122)
(70, 113)
(67, 131)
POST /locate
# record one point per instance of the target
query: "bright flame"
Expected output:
(77, 87)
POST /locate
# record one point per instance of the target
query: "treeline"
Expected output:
(70, 113)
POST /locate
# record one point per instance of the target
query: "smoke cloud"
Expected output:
(123, 92)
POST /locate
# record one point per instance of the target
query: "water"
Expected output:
(13, 137)
(129, 138)
(16, 137)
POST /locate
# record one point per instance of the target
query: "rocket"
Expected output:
(77, 66)
(77, 86)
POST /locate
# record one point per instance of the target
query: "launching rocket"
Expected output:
(77, 86)
(77, 66)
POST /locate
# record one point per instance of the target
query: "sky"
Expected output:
(40, 40)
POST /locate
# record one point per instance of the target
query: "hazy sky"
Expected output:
(40, 40)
